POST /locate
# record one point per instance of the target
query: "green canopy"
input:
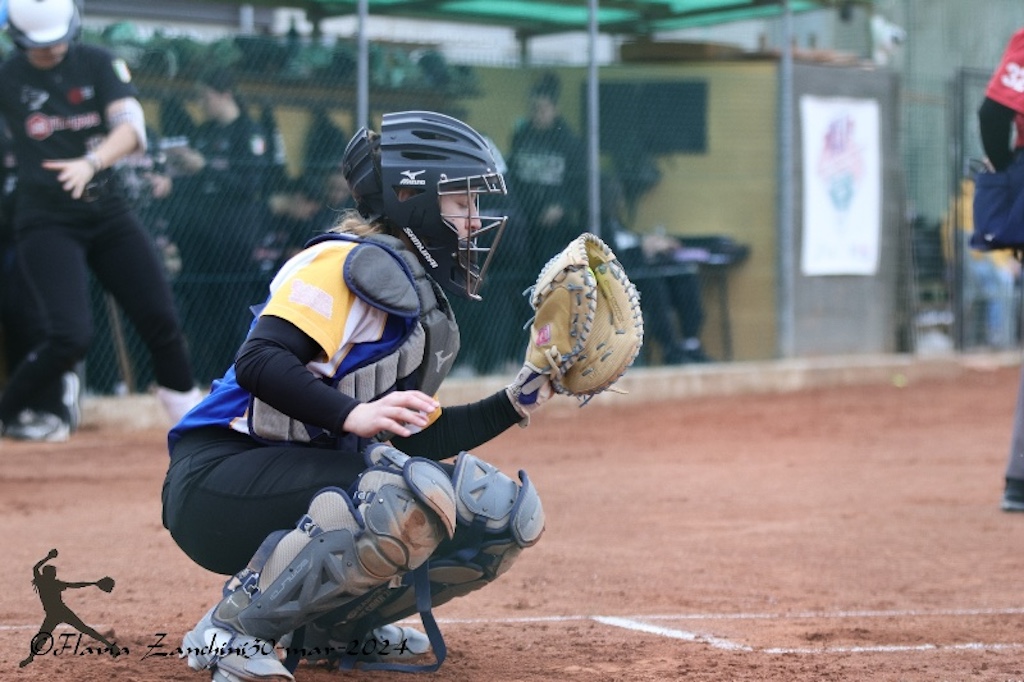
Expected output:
(540, 17)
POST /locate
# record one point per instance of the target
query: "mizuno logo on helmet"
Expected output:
(412, 178)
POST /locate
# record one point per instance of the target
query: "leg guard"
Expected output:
(496, 519)
(341, 549)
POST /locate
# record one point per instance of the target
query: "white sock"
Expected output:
(177, 403)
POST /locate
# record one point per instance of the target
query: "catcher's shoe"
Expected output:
(406, 642)
(389, 643)
(232, 656)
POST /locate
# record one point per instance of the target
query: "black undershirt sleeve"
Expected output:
(271, 365)
(461, 427)
(996, 123)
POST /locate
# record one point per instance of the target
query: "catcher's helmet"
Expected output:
(435, 155)
(42, 23)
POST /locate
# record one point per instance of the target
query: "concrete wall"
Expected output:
(853, 314)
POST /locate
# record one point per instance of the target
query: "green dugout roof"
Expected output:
(539, 17)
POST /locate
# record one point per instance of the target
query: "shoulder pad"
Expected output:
(381, 279)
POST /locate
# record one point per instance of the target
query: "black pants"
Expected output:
(24, 327)
(661, 297)
(224, 493)
(57, 251)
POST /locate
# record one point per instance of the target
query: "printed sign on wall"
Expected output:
(842, 186)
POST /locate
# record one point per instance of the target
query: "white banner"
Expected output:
(842, 186)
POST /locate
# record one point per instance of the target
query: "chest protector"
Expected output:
(385, 275)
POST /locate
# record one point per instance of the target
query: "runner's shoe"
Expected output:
(39, 427)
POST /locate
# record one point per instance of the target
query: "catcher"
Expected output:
(313, 471)
(49, 588)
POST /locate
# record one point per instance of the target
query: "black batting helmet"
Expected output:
(433, 155)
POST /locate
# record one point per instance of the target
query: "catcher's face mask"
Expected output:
(476, 235)
(426, 158)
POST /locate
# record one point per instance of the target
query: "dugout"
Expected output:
(715, 145)
(709, 127)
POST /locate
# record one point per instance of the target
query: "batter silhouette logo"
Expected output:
(50, 589)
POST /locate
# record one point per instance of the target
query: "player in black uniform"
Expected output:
(72, 111)
(546, 163)
(22, 321)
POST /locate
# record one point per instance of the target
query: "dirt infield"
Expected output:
(842, 533)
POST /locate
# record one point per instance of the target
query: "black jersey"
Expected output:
(547, 167)
(8, 182)
(236, 163)
(58, 113)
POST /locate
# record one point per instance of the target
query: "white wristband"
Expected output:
(94, 161)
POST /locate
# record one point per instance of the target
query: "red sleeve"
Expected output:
(1007, 83)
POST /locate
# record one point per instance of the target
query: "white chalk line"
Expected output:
(902, 613)
(729, 645)
(896, 648)
(638, 626)
(641, 623)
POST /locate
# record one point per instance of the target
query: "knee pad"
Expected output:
(408, 508)
(493, 504)
(496, 518)
(344, 546)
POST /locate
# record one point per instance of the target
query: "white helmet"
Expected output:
(42, 23)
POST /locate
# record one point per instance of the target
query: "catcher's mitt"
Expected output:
(106, 584)
(588, 327)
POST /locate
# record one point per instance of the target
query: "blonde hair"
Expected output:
(351, 222)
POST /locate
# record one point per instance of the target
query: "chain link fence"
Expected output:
(679, 160)
(223, 234)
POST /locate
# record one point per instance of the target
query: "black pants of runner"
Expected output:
(57, 251)
(23, 328)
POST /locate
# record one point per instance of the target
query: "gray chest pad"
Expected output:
(381, 280)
